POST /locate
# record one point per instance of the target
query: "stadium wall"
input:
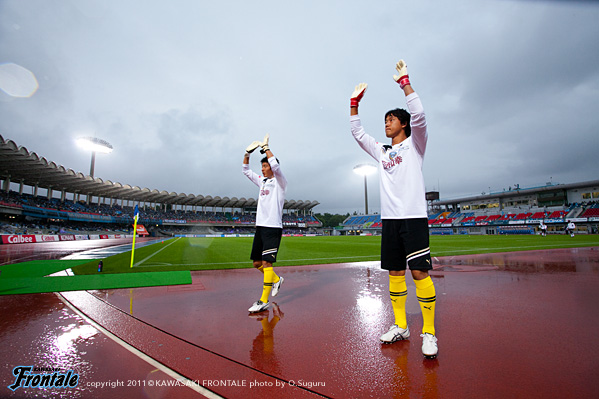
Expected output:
(363, 225)
(10, 239)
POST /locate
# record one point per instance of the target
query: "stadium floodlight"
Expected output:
(365, 169)
(94, 145)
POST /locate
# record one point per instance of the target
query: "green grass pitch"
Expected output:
(233, 253)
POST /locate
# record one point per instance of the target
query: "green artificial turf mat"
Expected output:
(99, 281)
(37, 268)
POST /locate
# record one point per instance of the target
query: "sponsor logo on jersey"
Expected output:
(394, 159)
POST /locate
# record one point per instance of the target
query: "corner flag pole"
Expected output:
(136, 212)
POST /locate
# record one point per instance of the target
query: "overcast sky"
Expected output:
(180, 88)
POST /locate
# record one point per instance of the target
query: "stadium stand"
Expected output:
(557, 214)
(523, 216)
(468, 218)
(111, 205)
(79, 216)
(493, 218)
(443, 223)
(591, 211)
(433, 216)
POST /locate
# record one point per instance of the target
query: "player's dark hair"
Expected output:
(265, 159)
(403, 116)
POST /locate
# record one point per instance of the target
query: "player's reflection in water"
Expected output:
(430, 386)
(262, 354)
(409, 381)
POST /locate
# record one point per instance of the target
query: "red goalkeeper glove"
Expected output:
(403, 79)
(357, 94)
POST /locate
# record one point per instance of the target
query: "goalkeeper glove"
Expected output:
(253, 146)
(403, 79)
(357, 94)
(264, 144)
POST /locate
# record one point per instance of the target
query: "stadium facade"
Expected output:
(513, 211)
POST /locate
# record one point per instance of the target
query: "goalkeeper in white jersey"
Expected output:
(405, 240)
(269, 225)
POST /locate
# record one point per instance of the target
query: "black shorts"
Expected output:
(405, 243)
(266, 244)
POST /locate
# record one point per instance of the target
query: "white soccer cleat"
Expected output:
(395, 334)
(276, 287)
(258, 306)
(429, 345)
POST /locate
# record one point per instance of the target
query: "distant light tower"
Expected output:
(94, 145)
(365, 170)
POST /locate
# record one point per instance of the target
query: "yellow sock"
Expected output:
(399, 293)
(425, 291)
(276, 279)
(269, 276)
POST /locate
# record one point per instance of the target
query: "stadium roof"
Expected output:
(21, 166)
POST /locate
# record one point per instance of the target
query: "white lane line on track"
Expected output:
(168, 371)
(103, 252)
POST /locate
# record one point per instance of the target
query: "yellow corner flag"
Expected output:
(135, 217)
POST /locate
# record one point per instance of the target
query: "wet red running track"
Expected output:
(509, 325)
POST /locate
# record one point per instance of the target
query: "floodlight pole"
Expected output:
(365, 196)
(91, 168)
(94, 145)
(365, 170)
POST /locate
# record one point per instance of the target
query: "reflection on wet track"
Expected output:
(497, 323)
(101, 253)
(85, 249)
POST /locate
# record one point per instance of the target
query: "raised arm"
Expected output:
(265, 148)
(356, 97)
(417, 117)
(246, 163)
(250, 148)
(274, 164)
(403, 79)
(365, 141)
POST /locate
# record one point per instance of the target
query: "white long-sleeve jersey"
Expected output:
(272, 195)
(403, 194)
